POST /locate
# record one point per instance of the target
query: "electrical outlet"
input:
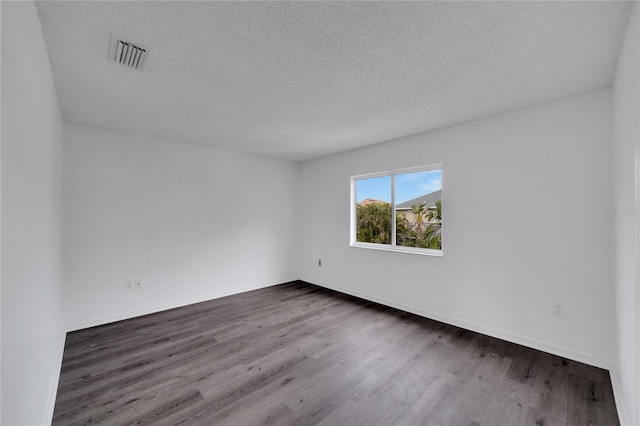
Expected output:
(558, 309)
(137, 285)
(319, 262)
(128, 285)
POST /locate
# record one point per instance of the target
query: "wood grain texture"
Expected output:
(304, 355)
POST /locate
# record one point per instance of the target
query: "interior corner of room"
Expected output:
(101, 224)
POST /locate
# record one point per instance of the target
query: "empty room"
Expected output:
(320, 213)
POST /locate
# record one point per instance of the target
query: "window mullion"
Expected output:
(393, 210)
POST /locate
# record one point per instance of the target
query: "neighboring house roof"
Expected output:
(369, 201)
(429, 200)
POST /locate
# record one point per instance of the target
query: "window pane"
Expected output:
(418, 209)
(373, 210)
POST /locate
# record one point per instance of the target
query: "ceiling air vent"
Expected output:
(127, 53)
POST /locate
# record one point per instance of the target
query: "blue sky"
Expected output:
(408, 186)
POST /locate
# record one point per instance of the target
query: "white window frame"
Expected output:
(390, 247)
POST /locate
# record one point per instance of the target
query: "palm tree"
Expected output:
(418, 212)
(436, 215)
(374, 223)
(430, 238)
(402, 229)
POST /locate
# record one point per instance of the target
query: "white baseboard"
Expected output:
(53, 390)
(500, 334)
(617, 394)
(170, 305)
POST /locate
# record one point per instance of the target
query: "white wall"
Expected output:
(192, 223)
(0, 231)
(32, 314)
(524, 199)
(626, 91)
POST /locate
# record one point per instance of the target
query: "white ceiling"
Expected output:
(299, 80)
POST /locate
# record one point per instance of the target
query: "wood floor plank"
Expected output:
(298, 354)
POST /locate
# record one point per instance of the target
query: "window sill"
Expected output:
(399, 249)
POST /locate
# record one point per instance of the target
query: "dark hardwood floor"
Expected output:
(300, 354)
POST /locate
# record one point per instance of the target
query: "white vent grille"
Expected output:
(127, 53)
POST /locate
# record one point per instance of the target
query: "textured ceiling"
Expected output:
(298, 80)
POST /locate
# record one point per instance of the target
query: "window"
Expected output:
(399, 210)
